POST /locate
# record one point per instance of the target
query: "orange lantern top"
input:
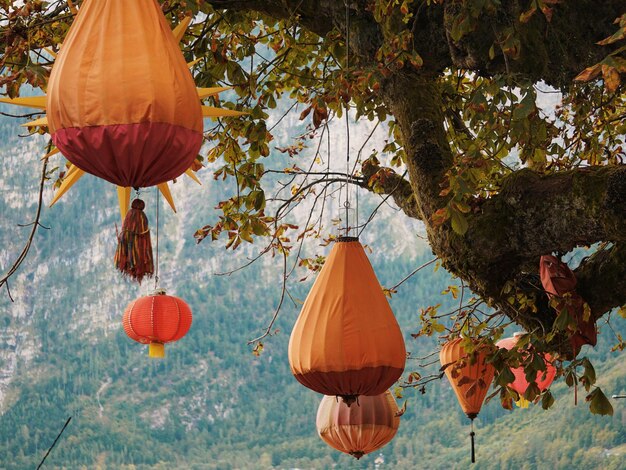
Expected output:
(358, 430)
(346, 341)
(543, 379)
(157, 319)
(122, 103)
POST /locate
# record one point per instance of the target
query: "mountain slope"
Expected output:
(211, 403)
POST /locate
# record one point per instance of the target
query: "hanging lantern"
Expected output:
(122, 105)
(470, 377)
(360, 429)
(157, 319)
(559, 281)
(543, 379)
(346, 341)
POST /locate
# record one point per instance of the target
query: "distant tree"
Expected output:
(497, 180)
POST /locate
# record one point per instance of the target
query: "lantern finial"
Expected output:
(156, 350)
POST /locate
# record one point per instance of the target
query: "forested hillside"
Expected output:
(211, 403)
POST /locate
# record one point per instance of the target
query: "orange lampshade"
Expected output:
(157, 319)
(122, 104)
(359, 429)
(346, 341)
(469, 375)
(543, 379)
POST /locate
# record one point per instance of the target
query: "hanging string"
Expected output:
(472, 434)
(347, 203)
(156, 264)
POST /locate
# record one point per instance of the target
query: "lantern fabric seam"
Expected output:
(152, 323)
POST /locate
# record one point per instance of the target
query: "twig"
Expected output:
(374, 212)
(35, 224)
(268, 330)
(423, 381)
(415, 271)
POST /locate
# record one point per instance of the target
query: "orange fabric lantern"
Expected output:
(543, 379)
(360, 429)
(346, 341)
(122, 104)
(470, 377)
(157, 319)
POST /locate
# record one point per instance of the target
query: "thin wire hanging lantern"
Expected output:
(346, 341)
(470, 376)
(358, 430)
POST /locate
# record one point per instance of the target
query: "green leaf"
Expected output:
(563, 320)
(459, 222)
(527, 15)
(589, 372)
(532, 391)
(547, 400)
(505, 377)
(525, 108)
(599, 404)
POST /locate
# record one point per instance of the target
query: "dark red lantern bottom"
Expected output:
(351, 383)
(131, 155)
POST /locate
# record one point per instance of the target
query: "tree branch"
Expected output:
(393, 184)
(35, 225)
(536, 215)
(602, 279)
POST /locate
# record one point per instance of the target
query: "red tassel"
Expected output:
(133, 256)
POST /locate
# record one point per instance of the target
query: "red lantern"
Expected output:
(559, 281)
(358, 429)
(543, 379)
(157, 319)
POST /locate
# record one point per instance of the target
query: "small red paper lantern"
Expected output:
(157, 319)
(543, 379)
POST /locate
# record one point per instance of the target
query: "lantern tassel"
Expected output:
(133, 256)
(472, 434)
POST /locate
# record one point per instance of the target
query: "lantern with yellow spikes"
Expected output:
(122, 105)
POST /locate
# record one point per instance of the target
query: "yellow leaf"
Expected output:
(611, 78)
(588, 73)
